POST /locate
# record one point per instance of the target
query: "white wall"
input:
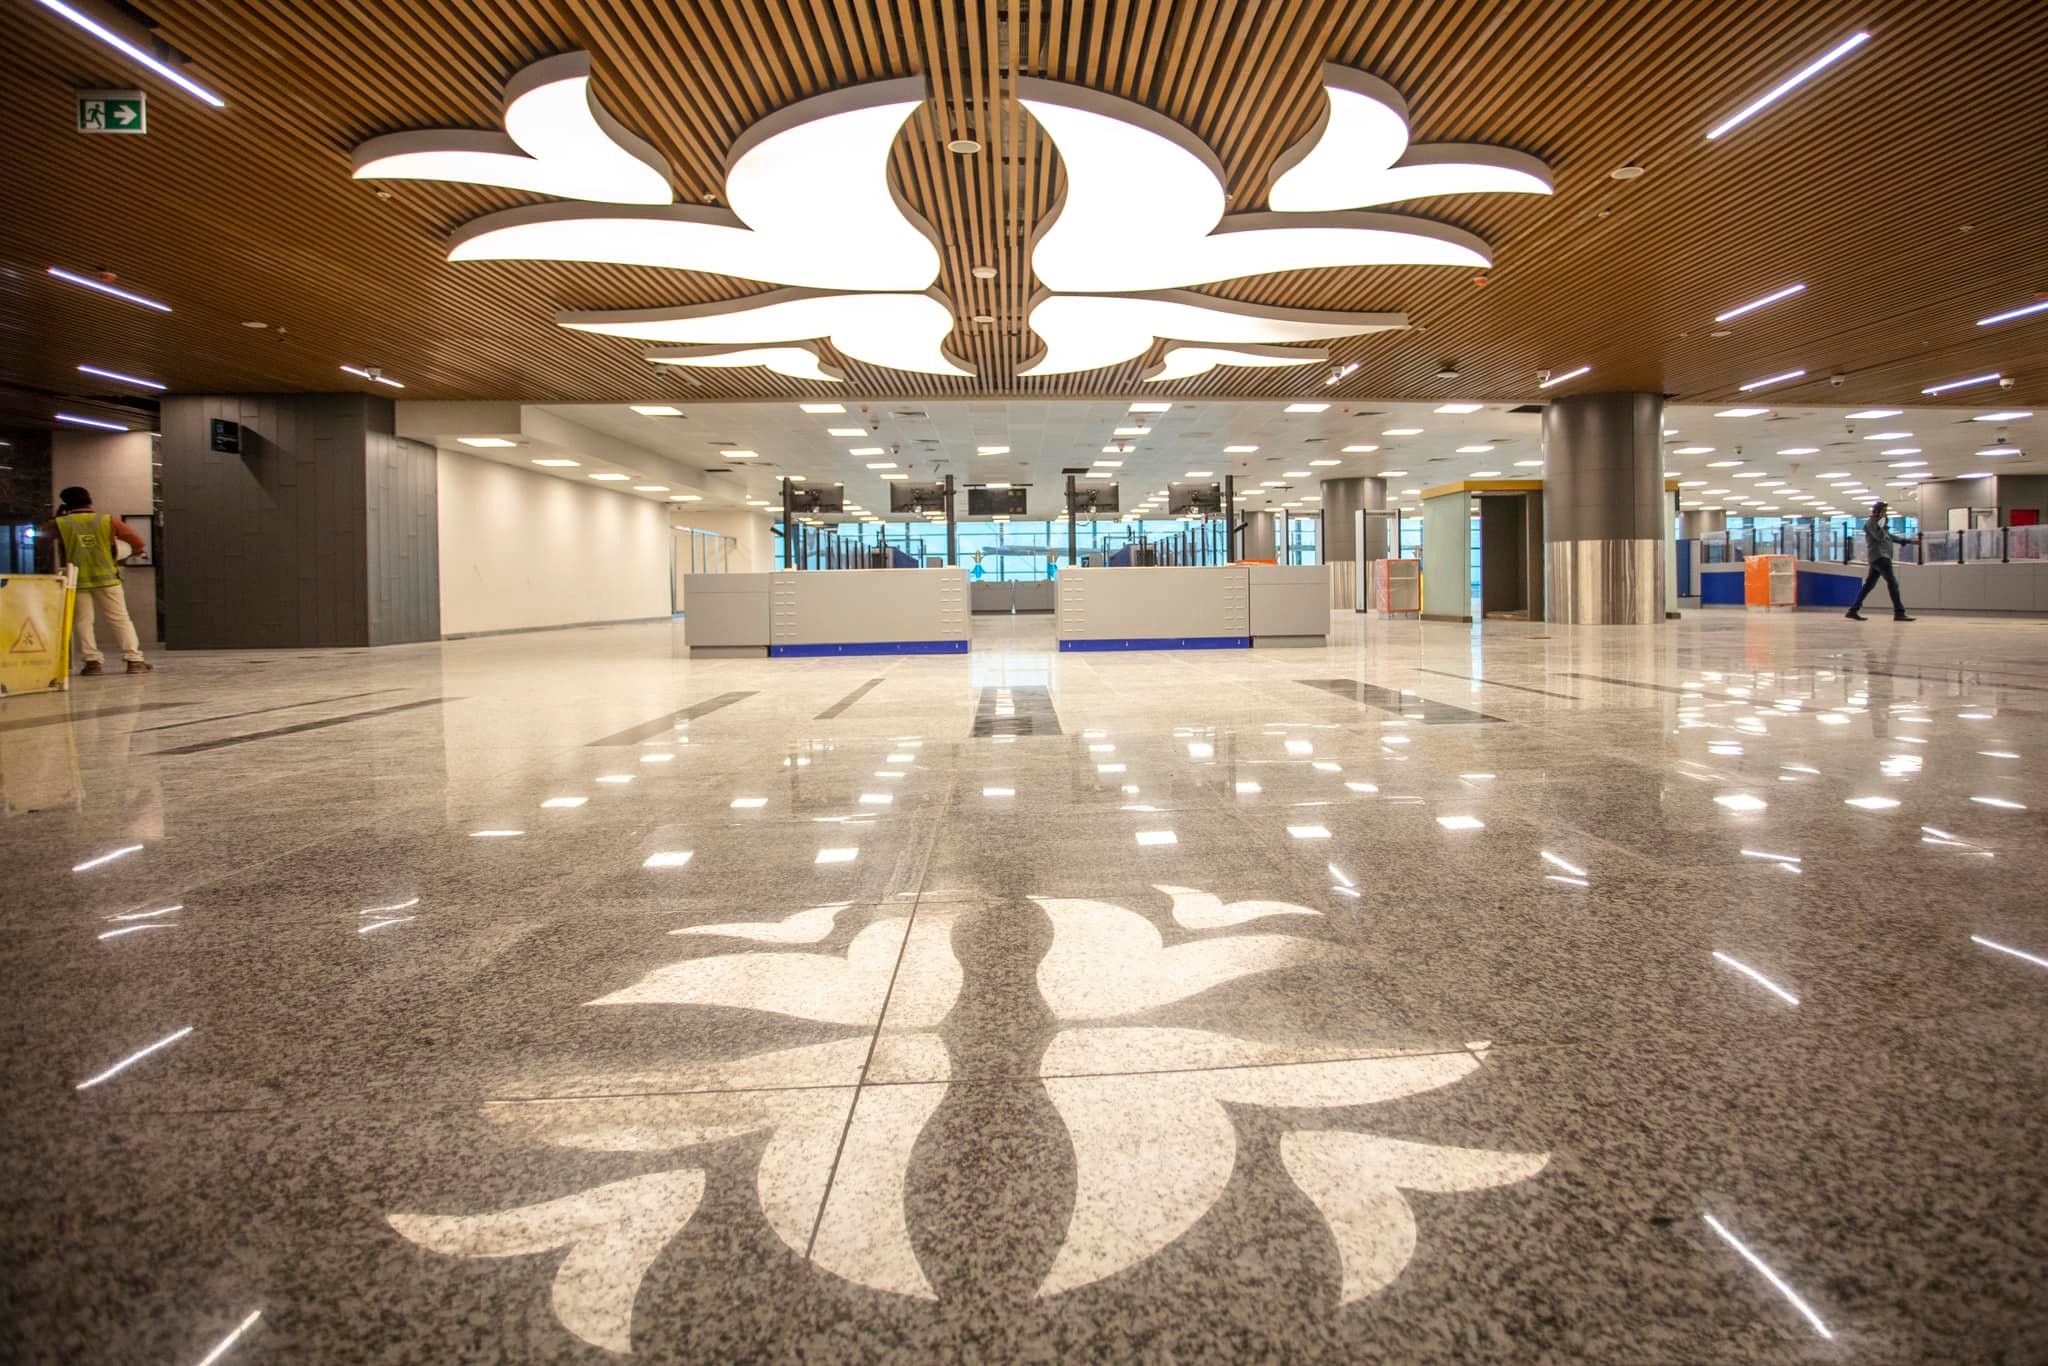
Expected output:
(758, 547)
(522, 550)
(115, 466)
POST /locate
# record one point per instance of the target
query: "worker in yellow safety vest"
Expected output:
(86, 539)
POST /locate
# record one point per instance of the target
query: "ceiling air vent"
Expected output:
(1527, 408)
(1076, 469)
(910, 414)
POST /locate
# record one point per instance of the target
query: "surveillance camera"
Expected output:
(2005, 382)
(1837, 381)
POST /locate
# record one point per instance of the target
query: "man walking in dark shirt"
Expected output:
(1877, 543)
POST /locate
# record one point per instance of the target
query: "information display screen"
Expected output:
(908, 497)
(824, 498)
(1095, 498)
(995, 502)
(1182, 499)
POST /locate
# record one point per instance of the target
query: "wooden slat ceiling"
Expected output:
(1906, 187)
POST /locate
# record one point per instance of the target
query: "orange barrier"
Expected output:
(1770, 581)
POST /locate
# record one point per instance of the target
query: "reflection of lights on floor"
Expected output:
(568, 803)
(1308, 832)
(1556, 862)
(999, 792)
(1776, 1281)
(838, 855)
(104, 858)
(495, 834)
(1999, 802)
(220, 1349)
(1872, 803)
(2004, 948)
(134, 1058)
(673, 858)
(1157, 837)
(1461, 822)
(1741, 801)
(1766, 983)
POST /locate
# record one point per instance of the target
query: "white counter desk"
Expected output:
(794, 614)
(1216, 607)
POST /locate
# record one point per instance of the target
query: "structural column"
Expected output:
(1259, 540)
(1693, 525)
(321, 529)
(1604, 522)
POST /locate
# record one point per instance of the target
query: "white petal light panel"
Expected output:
(1358, 154)
(1087, 331)
(798, 360)
(557, 141)
(811, 204)
(1179, 361)
(901, 331)
(1102, 237)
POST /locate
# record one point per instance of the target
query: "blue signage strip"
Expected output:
(870, 647)
(1163, 643)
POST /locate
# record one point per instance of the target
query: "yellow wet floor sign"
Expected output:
(35, 624)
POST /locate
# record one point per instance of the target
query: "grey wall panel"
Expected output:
(1288, 600)
(726, 610)
(402, 525)
(322, 531)
(1160, 604)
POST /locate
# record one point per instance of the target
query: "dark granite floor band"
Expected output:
(1432, 713)
(1017, 710)
(322, 724)
(1495, 683)
(261, 711)
(58, 718)
(839, 708)
(661, 725)
(1631, 683)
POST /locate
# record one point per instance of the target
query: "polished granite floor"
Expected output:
(1512, 994)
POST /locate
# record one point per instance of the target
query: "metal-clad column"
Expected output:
(1604, 522)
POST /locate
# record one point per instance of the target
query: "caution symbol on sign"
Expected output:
(30, 641)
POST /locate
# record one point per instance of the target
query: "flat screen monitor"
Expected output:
(1095, 498)
(823, 498)
(1199, 499)
(908, 497)
(987, 502)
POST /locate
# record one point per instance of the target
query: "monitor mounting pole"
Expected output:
(952, 543)
(1073, 541)
(1230, 519)
(788, 528)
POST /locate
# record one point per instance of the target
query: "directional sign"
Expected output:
(113, 111)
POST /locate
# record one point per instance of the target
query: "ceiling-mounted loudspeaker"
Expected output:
(1448, 370)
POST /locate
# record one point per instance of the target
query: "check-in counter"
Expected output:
(868, 612)
(1157, 609)
(1988, 587)
(1290, 604)
(727, 615)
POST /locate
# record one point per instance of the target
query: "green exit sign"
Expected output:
(113, 111)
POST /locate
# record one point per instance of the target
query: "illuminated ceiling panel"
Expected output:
(1086, 331)
(1179, 361)
(901, 331)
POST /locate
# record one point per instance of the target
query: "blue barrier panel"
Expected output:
(870, 647)
(1163, 643)
(1820, 589)
(1721, 586)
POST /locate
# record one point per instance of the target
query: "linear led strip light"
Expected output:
(1962, 383)
(1787, 292)
(73, 277)
(2012, 313)
(132, 52)
(1790, 83)
(1560, 379)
